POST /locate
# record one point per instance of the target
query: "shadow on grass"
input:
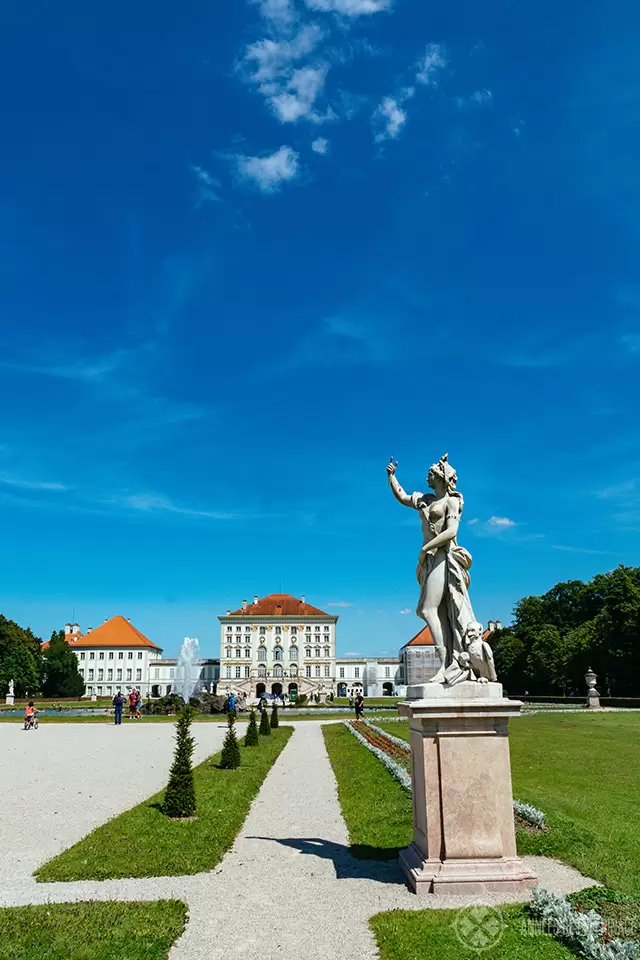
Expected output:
(351, 863)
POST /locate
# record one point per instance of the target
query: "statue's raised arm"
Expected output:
(399, 493)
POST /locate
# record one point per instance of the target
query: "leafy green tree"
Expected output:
(251, 738)
(510, 655)
(20, 658)
(265, 727)
(230, 756)
(274, 716)
(180, 795)
(60, 675)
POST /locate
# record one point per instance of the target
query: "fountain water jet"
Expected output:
(185, 680)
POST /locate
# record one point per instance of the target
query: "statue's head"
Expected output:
(473, 631)
(443, 471)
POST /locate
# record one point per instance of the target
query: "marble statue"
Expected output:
(10, 688)
(443, 565)
(474, 662)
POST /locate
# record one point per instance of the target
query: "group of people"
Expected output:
(134, 698)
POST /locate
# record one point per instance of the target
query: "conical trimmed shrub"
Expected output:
(274, 717)
(230, 756)
(231, 718)
(265, 728)
(180, 795)
(251, 736)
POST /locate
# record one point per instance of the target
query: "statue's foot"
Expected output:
(439, 677)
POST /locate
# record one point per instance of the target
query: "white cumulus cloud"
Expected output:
(320, 145)
(405, 611)
(501, 523)
(350, 8)
(390, 118)
(296, 102)
(271, 171)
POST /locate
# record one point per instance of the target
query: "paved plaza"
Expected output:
(288, 884)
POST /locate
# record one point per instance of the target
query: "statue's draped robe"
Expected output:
(456, 600)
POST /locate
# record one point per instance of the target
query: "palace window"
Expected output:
(277, 670)
(101, 656)
(327, 652)
(140, 656)
(262, 653)
(293, 653)
(318, 670)
(307, 652)
(130, 655)
(356, 672)
(326, 670)
(387, 672)
(229, 628)
(277, 654)
(121, 655)
(228, 653)
(293, 670)
(307, 637)
(91, 655)
(317, 651)
(109, 674)
(227, 671)
(172, 673)
(156, 674)
(238, 629)
(99, 691)
(278, 630)
(341, 672)
(100, 674)
(263, 630)
(326, 628)
(118, 674)
(247, 629)
(238, 652)
(128, 674)
(262, 670)
(247, 652)
(316, 628)
(82, 655)
(111, 655)
(307, 671)
(238, 672)
(138, 674)
(294, 630)
(247, 671)
(90, 677)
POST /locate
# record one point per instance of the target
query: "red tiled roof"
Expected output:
(279, 605)
(422, 638)
(117, 632)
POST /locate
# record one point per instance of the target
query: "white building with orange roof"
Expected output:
(278, 644)
(419, 658)
(113, 657)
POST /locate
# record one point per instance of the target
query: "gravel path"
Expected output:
(289, 884)
(59, 783)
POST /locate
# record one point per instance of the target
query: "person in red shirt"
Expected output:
(132, 704)
(30, 714)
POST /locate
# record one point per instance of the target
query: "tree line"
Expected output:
(52, 672)
(556, 637)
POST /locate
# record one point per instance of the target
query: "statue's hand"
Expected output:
(392, 467)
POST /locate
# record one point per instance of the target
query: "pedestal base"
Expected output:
(9, 699)
(463, 828)
(464, 877)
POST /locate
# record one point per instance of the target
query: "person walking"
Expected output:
(138, 704)
(118, 705)
(359, 706)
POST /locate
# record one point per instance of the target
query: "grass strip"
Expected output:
(91, 931)
(142, 842)
(490, 933)
(376, 809)
(583, 771)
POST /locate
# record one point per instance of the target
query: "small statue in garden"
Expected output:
(474, 661)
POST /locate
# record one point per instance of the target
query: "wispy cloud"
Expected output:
(352, 653)
(320, 145)
(23, 484)
(152, 503)
(568, 549)
(208, 186)
(619, 491)
(269, 172)
(405, 611)
(298, 98)
(338, 603)
(430, 65)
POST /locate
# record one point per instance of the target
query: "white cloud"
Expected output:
(391, 116)
(278, 12)
(297, 101)
(339, 603)
(428, 66)
(482, 98)
(11, 481)
(405, 611)
(320, 145)
(149, 503)
(501, 523)
(352, 653)
(350, 8)
(271, 171)
(208, 186)
(271, 59)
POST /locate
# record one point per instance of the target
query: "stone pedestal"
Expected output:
(463, 828)
(10, 699)
(593, 700)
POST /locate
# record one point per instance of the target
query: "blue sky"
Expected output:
(250, 250)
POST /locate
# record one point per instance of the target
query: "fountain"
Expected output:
(185, 681)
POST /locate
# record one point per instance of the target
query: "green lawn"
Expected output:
(583, 771)
(456, 935)
(144, 843)
(91, 931)
(376, 809)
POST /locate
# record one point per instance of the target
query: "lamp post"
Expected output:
(593, 697)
